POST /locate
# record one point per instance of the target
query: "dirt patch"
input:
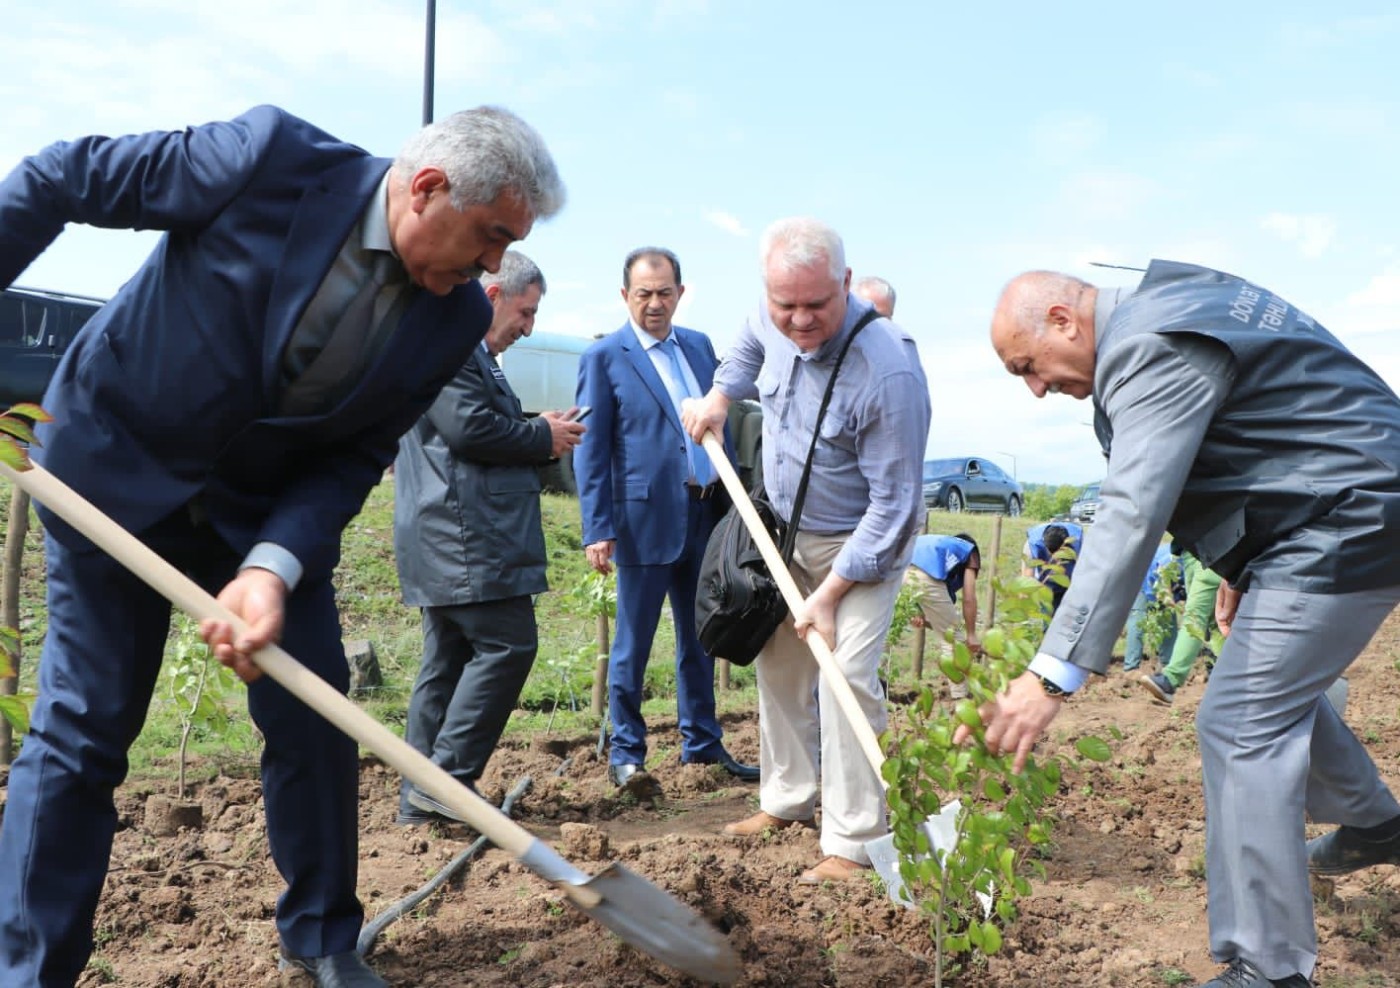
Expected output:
(1123, 902)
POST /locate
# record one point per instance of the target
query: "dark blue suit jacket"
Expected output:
(631, 465)
(171, 390)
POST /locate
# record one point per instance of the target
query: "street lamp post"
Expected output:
(428, 52)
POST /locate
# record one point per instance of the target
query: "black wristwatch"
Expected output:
(1050, 688)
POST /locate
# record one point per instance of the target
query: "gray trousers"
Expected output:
(1272, 749)
(476, 658)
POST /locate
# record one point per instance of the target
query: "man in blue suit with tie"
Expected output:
(649, 499)
(232, 406)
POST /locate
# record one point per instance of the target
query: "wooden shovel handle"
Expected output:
(835, 679)
(311, 689)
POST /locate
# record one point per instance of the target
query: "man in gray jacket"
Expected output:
(470, 546)
(1272, 454)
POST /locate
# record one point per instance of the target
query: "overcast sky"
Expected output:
(953, 145)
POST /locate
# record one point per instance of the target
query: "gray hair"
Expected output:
(1030, 295)
(800, 242)
(485, 152)
(876, 286)
(516, 275)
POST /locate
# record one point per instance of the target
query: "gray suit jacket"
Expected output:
(1247, 430)
(467, 496)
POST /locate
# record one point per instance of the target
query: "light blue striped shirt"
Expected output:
(867, 466)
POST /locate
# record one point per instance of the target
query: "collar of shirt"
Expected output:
(374, 222)
(1103, 309)
(646, 339)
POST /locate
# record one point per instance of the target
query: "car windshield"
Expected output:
(1090, 493)
(941, 468)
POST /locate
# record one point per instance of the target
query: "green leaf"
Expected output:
(12, 455)
(17, 428)
(30, 411)
(1094, 748)
(991, 938)
(16, 711)
(992, 790)
(994, 642)
(966, 712)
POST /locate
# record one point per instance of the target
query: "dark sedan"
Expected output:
(970, 484)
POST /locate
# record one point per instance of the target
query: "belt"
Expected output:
(698, 493)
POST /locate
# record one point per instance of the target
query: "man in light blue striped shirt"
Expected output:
(863, 509)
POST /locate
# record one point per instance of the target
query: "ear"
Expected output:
(493, 292)
(846, 284)
(425, 183)
(1061, 318)
(623, 292)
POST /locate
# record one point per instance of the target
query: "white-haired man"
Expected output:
(864, 508)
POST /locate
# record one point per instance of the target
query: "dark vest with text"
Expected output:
(1297, 481)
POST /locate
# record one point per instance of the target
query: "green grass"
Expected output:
(556, 696)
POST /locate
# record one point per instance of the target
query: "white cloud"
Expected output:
(1109, 194)
(1374, 308)
(727, 222)
(1062, 138)
(1311, 233)
(1191, 75)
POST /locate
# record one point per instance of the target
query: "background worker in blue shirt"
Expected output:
(1135, 648)
(1043, 544)
(943, 565)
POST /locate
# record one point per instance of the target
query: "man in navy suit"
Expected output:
(649, 500)
(233, 405)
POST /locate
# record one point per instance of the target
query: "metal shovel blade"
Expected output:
(641, 914)
(672, 933)
(637, 911)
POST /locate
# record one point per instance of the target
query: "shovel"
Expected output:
(637, 911)
(940, 829)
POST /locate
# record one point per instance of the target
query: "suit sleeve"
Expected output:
(593, 455)
(1160, 395)
(473, 428)
(157, 181)
(312, 512)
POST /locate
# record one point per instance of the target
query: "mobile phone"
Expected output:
(581, 414)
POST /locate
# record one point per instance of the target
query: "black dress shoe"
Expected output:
(347, 970)
(1345, 850)
(1242, 974)
(726, 761)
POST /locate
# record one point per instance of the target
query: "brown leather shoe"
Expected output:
(832, 869)
(762, 821)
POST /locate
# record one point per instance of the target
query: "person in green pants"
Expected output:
(1197, 620)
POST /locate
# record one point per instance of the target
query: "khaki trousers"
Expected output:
(805, 739)
(940, 614)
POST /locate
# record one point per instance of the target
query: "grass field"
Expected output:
(557, 695)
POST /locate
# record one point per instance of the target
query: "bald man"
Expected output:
(878, 292)
(1220, 407)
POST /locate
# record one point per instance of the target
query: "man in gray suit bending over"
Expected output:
(470, 546)
(1273, 454)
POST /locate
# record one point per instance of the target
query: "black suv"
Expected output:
(35, 328)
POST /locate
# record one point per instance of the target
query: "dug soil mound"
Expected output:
(1123, 901)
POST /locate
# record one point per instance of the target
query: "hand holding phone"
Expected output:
(579, 414)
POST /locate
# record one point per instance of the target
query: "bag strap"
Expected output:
(790, 536)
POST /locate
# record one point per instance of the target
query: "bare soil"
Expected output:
(1123, 902)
